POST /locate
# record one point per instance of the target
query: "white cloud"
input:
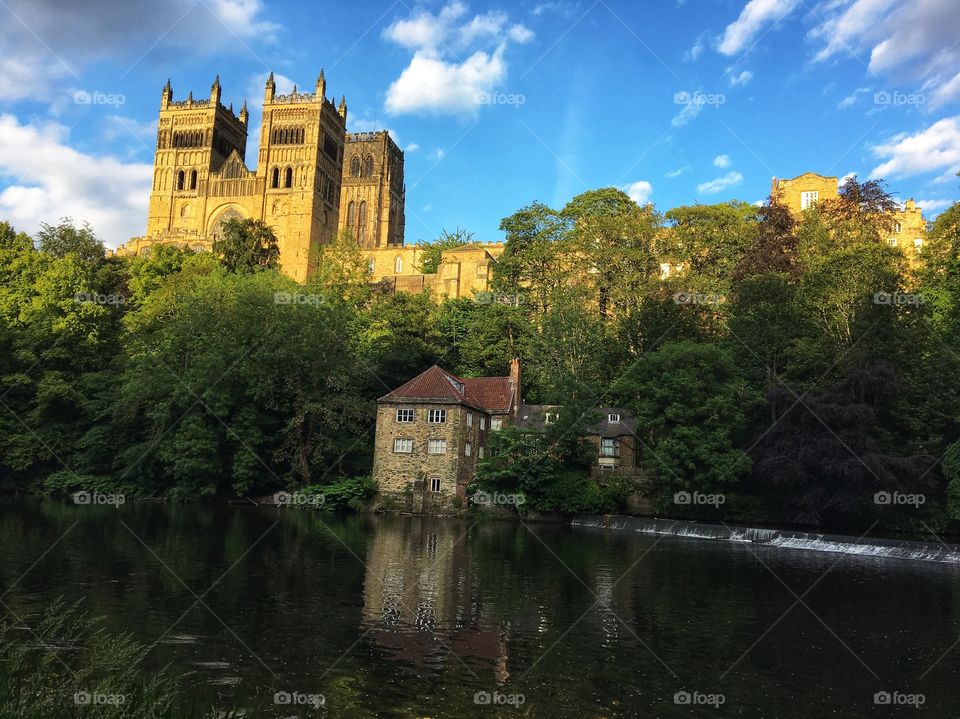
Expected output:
(742, 79)
(689, 111)
(412, 147)
(437, 80)
(721, 161)
(846, 177)
(639, 191)
(906, 40)
(679, 171)
(754, 17)
(932, 149)
(438, 154)
(719, 184)
(694, 53)
(242, 17)
(49, 180)
(933, 207)
(851, 99)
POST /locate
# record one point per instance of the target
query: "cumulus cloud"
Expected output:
(935, 148)
(719, 184)
(49, 180)
(457, 62)
(754, 18)
(52, 41)
(931, 208)
(905, 39)
(639, 191)
(721, 161)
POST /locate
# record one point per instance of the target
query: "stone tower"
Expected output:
(371, 205)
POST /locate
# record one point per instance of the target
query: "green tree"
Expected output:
(64, 238)
(532, 262)
(246, 246)
(432, 254)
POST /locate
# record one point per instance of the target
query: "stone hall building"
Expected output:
(312, 180)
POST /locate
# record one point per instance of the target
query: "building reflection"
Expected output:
(421, 602)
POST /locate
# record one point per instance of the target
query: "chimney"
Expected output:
(515, 385)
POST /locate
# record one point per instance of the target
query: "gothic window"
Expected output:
(367, 166)
(352, 216)
(185, 210)
(371, 265)
(288, 177)
(355, 166)
(276, 177)
(180, 180)
(398, 265)
(362, 223)
(287, 135)
(193, 180)
(231, 213)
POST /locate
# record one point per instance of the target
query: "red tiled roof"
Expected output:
(492, 394)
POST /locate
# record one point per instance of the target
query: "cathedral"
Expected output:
(312, 179)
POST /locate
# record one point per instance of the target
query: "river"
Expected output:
(427, 617)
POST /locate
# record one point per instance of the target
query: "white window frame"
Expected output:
(434, 444)
(467, 449)
(437, 416)
(608, 447)
(897, 227)
(613, 417)
(496, 423)
(483, 423)
(412, 415)
(480, 452)
(435, 484)
(400, 442)
(398, 266)
(809, 198)
(550, 417)
(469, 419)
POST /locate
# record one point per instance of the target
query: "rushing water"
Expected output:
(412, 617)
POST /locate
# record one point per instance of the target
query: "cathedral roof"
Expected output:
(490, 394)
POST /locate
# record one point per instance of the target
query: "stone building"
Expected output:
(909, 228)
(372, 196)
(432, 430)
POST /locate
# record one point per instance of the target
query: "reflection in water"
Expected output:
(419, 599)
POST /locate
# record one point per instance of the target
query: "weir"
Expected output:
(810, 541)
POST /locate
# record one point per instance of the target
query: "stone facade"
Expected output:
(463, 271)
(798, 193)
(372, 196)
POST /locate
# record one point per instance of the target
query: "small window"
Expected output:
(808, 199)
(469, 419)
(275, 182)
(467, 449)
(288, 178)
(402, 446)
(180, 180)
(480, 452)
(483, 423)
(892, 241)
(496, 423)
(193, 180)
(404, 415)
(398, 266)
(371, 265)
(434, 484)
(897, 227)
(608, 447)
(613, 418)
(437, 416)
(550, 418)
(437, 446)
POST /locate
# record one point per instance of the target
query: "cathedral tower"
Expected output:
(371, 205)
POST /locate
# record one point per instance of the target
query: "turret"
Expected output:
(215, 92)
(190, 98)
(244, 115)
(343, 109)
(270, 90)
(321, 86)
(167, 96)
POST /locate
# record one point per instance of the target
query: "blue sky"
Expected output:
(496, 104)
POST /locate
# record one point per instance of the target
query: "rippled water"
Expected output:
(413, 617)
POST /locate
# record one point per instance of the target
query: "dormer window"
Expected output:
(456, 385)
(550, 417)
(613, 418)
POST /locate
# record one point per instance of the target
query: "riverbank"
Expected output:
(809, 541)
